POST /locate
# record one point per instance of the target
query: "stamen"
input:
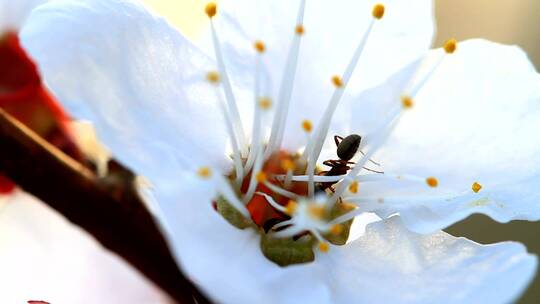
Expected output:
(432, 182)
(289, 166)
(265, 103)
(450, 46)
(291, 207)
(307, 126)
(476, 187)
(316, 212)
(314, 147)
(225, 189)
(324, 247)
(378, 11)
(259, 46)
(336, 229)
(346, 217)
(258, 163)
(261, 177)
(272, 202)
(214, 78)
(204, 172)
(407, 102)
(211, 10)
(280, 191)
(317, 178)
(287, 85)
(282, 224)
(336, 80)
(353, 187)
(299, 30)
(360, 178)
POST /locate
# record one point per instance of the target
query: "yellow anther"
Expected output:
(213, 77)
(336, 80)
(265, 103)
(476, 187)
(260, 46)
(407, 102)
(324, 247)
(337, 229)
(211, 9)
(316, 212)
(432, 182)
(307, 125)
(353, 187)
(378, 11)
(261, 177)
(291, 207)
(204, 172)
(450, 46)
(299, 29)
(287, 165)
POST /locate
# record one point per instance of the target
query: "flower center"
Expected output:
(292, 203)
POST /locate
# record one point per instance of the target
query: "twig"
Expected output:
(120, 221)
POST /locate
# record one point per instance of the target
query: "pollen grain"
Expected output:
(211, 9)
(259, 46)
(476, 187)
(432, 182)
(204, 172)
(378, 11)
(307, 125)
(407, 102)
(450, 46)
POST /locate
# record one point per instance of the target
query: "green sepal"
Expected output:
(338, 210)
(232, 215)
(287, 251)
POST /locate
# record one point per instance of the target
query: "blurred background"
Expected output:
(505, 21)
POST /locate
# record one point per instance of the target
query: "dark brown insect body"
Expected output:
(346, 149)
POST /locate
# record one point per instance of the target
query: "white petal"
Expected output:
(391, 265)
(140, 81)
(43, 257)
(387, 264)
(475, 121)
(332, 34)
(13, 14)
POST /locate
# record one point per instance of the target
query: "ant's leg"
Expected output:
(337, 139)
(374, 162)
(331, 162)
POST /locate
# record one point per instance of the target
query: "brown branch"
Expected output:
(120, 222)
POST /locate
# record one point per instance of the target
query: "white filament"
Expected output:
(314, 147)
(231, 101)
(285, 92)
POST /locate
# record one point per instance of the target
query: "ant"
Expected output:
(346, 149)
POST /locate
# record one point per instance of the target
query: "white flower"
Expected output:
(174, 114)
(42, 256)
